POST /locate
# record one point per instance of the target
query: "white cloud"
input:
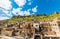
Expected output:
(6, 4)
(19, 12)
(34, 9)
(5, 12)
(16, 11)
(26, 13)
(22, 13)
(3, 18)
(20, 2)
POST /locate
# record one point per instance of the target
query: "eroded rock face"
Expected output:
(27, 28)
(21, 29)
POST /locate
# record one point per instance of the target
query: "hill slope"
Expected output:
(32, 17)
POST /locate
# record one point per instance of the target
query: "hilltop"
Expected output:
(32, 17)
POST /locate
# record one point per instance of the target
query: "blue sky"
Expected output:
(9, 8)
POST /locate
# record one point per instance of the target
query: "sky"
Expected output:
(10, 8)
